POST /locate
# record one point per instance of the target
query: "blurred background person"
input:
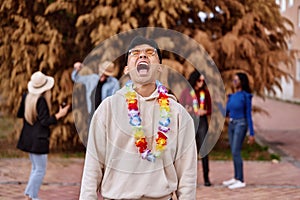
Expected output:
(239, 107)
(197, 101)
(97, 86)
(34, 139)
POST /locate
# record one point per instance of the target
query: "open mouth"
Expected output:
(143, 68)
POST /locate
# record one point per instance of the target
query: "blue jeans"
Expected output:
(38, 170)
(237, 130)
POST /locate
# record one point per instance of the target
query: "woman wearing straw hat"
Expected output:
(34, 139)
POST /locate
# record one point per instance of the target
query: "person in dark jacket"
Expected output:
(197, 102)
(34, 139)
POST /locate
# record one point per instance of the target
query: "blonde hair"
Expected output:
(30, 105)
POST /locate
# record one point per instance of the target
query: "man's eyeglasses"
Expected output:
(136, 52)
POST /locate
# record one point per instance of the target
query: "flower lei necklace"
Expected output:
(136, 122)
(195, 101)
(202, 99)
(196, 105)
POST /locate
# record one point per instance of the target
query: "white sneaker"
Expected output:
(229, 182)
(237, 184)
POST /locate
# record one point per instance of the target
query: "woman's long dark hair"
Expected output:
(244, 81)
(195, 75)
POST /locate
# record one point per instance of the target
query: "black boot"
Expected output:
(205, 171)
(206, 180)
(207, 183)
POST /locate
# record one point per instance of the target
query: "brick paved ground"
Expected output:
(264, 180)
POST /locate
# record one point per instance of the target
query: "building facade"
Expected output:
(291, 87)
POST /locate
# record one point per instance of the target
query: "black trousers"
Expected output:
(200, 136)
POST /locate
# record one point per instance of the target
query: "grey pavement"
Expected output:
(264, 179)
(280, 128)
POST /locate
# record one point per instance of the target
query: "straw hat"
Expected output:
(40, 83)
(107, 68)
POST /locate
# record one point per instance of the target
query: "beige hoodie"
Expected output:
(114, 166)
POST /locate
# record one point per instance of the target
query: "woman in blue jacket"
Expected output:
(239, 107)
(34, 139)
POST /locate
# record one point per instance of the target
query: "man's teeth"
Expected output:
(143, 63)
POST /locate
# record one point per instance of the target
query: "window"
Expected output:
(298, 70)
(283, 5)
(291, 3)
(278, 2)
(290, 44)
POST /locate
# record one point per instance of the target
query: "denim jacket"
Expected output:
(90, 82)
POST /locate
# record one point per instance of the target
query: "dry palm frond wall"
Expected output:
(47, 35)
